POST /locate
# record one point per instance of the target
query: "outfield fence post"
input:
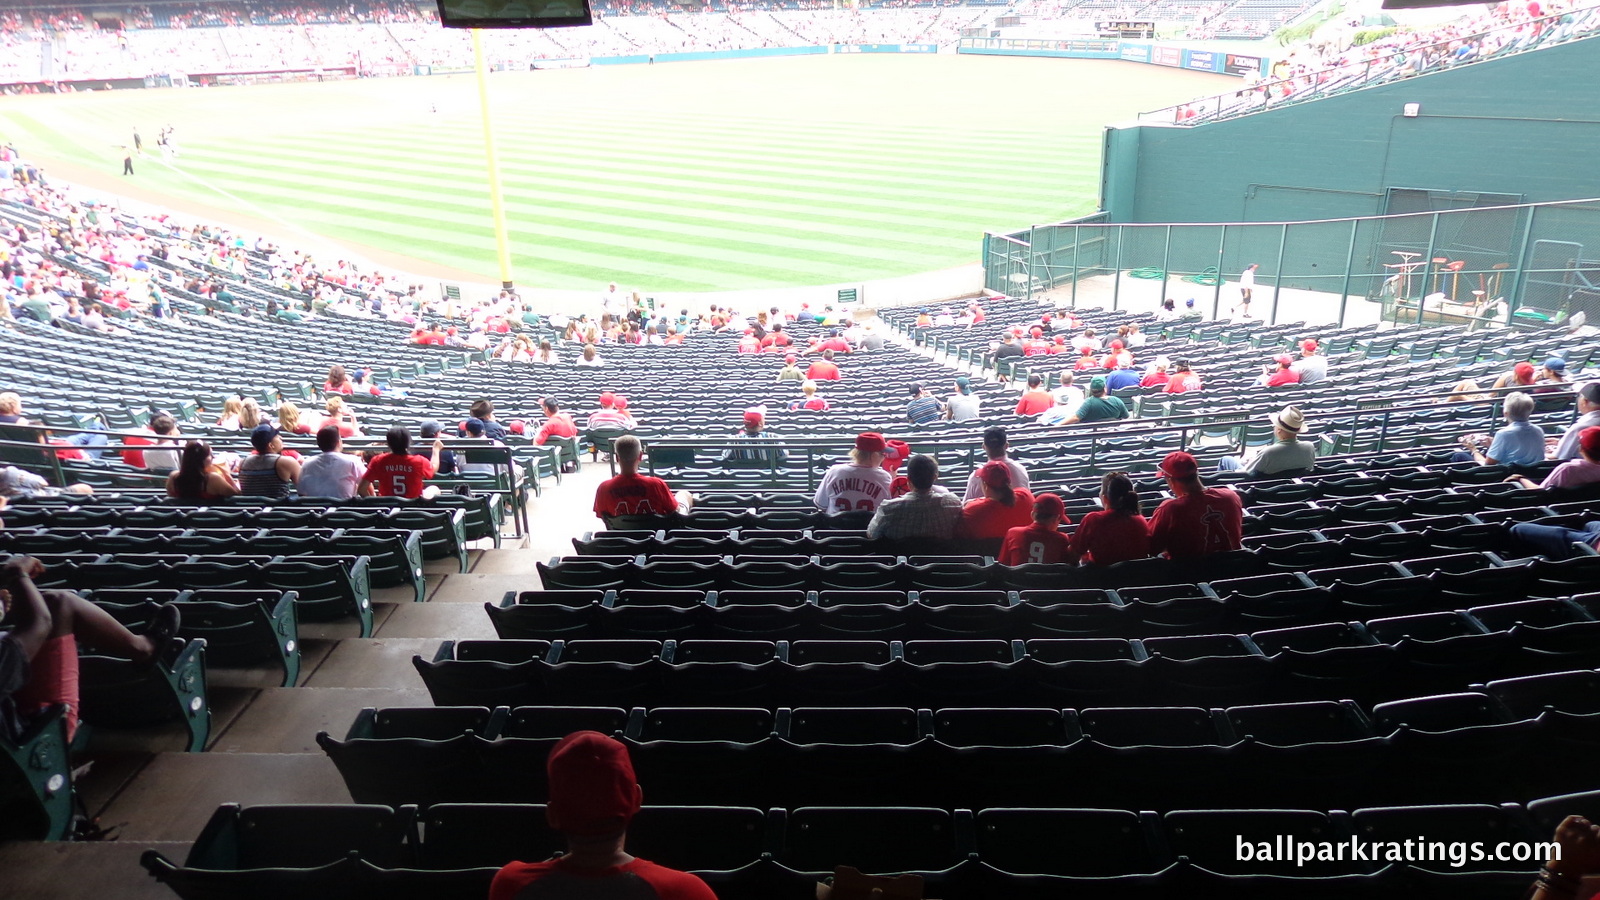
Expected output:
(1166, 262)
(1216, 289)
(1427, 267)
(1077, 248)
(1277, 278)
(1349, 263)
(1116, 274)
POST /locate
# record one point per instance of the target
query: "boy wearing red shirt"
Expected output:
(1041, 542)
(594, 796)
(400, 474)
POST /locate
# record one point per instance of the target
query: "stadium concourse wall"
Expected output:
(1156, 54)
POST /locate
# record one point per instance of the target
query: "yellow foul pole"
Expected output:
(502, 246)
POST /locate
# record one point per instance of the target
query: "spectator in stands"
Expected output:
(557, 424)
(590, 357)
(923, 407)
(339, 416)
(1117, 357)
(1286, 454)
(870, 338)
(1098, 407)
(231, 408)
(926, 512)
(608, 416)
(963, 405)
(250, 415)
(1008, 348)
(399, 473)
(1040, 541)
(1061, 412)
(790, 371)
(593, 798)
(1156, 375)
(1312, 367)
(1553, 372)
(483, 410)
(199, 477)
(332, 473)
(630, 494)
(1279, 373)
(1168, 311)
(163, 457)
(1068, 393)
(1198, 520)
(429, 431)
(1588, 402)
(1135, 337)
(776, 341)
(289, 419)
(1574, 472)
(338, 382)
(39, 654)
(1569, 869)
(1183, 379)
(267, 472)
(809, 399)
(1088, 340)
(1555, 541)
(996, 445)
(832, 342)
(1086, 360)
(823, 369)
(756, 444)
(1001, 508)
(1036, 399)
(1126, 376)
(17, 484)
(860, 484)
(546, 355)
(1520, 374)
(1520, 443)
(1117, 531)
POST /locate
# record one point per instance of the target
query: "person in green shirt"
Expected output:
(37, 307)
(1097, 407)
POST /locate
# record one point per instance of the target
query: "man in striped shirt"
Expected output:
(924, 407)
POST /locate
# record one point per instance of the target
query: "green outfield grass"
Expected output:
(684, 176)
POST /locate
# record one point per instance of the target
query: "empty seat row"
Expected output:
(455, 849)
(1200, 670)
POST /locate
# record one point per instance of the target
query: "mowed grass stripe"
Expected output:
(736, 205)
(752, 157)
(726, 252)
(291, 188)
(807, 179)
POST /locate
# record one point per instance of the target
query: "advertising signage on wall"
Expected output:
(1136, 52)
(1167, 56)
(1203, 60)
(1235, 64)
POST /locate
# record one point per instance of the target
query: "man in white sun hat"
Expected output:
(1288, 453)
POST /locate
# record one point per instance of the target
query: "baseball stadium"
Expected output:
(767, 449)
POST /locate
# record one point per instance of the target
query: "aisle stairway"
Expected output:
(262, 747)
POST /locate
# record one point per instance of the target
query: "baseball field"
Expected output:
(718, 175)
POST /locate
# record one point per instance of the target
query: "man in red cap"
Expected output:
(858, 485)
(1280, 374)
(1311, 366)
(608, 415)
(1585, 469)
(823, 369)
(755, 444)
(1198, 520)
(593, 799)
(1520, 375)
